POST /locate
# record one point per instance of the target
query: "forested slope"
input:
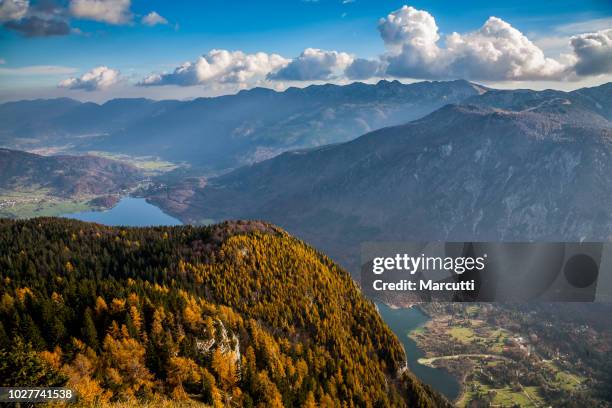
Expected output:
(238, 314)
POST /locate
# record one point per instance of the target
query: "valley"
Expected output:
(36, 186)
(501, 356)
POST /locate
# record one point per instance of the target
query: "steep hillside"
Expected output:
(238, 314)
(227, 131)
(64, 176)
(464, 172)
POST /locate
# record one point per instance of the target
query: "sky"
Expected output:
(102, 49)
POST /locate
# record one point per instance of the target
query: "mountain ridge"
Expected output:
(239, 313)
(225, 132)
(464, 172)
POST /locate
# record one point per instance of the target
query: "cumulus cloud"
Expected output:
(409, 26)
(108, 11)
(593, 52)
(153, 18)
(98, 78)
(496, 51)
(220, 66)
(364, 69)
(314, 64)
(13, 9)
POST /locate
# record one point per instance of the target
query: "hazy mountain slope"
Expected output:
(65, 176)
(238, 314)
(463, 172)
(591, 106)
(227, 131)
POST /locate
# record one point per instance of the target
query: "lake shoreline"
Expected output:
(403, 321)
(128, 211)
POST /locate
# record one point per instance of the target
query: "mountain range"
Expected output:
(505, 165)
(220, 133)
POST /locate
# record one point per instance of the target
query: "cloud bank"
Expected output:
(495, 52)
(219, 66)
(314, 65)
(413, 48)
(99, 78)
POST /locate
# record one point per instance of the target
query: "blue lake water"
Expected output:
(133, 212)
(402, 322)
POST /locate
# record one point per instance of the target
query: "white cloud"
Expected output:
(13, 9)
(593, 52)
(37, 70)
(313, 65)
(99, 78)
(220, 66)
(409, 26)
(108, 11)
(2, 61)
(153, 18)
(497, 51)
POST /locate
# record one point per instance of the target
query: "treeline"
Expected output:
(238, 314)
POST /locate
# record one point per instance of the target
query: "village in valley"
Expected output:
(502, 358)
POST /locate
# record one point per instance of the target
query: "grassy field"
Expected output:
(563, 379)
(38, 203)
(462, 334)
(458, 342)
(503, 397)
(150, 166)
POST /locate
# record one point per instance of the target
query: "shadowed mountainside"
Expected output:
(541, 170)
(65, 176)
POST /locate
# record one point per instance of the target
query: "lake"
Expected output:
(402, 322)
(130, 211)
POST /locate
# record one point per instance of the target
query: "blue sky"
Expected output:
(193, 28)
